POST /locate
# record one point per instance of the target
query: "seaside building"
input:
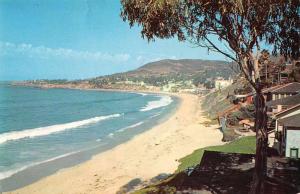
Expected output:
(179, 86)
(276, 106)
(290, 134)
(170, 87)
(221, 83)
(272, 93)
(282, 91)
(245, 99)
(286, 135)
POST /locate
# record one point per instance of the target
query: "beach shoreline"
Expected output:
(145, 156)
(72, 87)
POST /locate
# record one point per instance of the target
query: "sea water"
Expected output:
(43, 125)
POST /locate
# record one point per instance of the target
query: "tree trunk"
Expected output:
(260, 170)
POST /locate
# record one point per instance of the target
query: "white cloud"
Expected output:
(7, 48)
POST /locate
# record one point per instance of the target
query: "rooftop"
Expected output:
(288, 101)
(288, 111)
(293, 87)
(292, 121)
(270, 89)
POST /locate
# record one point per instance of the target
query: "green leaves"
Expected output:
(244, 25)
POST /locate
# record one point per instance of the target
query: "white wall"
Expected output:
(220, 84)
(292, 141)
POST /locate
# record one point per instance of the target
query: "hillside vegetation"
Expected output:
(184, 66)
(184, 74)
(161, 72)
(220, 100)
(245, 145)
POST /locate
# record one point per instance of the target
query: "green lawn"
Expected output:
(244, 145)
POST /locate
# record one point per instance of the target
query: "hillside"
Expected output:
(179, 74)
(166, 71)
(183, 66)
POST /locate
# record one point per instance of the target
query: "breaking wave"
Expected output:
(42, 131)
(163, 101)
(9, 173)
(131, 126)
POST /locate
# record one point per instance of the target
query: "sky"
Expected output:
(77, 39)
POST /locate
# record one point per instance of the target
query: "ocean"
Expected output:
(40, 126)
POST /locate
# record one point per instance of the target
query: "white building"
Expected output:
(287, 132)
(221, 83)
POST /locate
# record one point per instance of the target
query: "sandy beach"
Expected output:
(145, 156)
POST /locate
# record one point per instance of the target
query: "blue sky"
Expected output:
(76, 39)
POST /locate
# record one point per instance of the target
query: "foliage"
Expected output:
(244, 26)
(217, 102)
(296, 72)
(247, 112)
(243, 145)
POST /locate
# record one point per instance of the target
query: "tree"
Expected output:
(296, 71)
(243, 26)
(270, 68)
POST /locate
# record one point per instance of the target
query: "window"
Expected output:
(294, 152)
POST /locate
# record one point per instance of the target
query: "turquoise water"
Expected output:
(41, 125)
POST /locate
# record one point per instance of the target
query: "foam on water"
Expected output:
(131, 126)
(163, 101)
(155, 115)
(42, 131)
(143, 94)
(9, 173)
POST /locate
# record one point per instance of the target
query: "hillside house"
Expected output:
(284, 74)
(276, 106)
(287, 132)
(290, 145)
(276, 72)
(221, 83)
(271, 93)
(282, 91)
(246, 99)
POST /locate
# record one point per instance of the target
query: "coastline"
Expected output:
(145, 156)
(89, 88)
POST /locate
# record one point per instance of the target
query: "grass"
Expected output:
(244, 145)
